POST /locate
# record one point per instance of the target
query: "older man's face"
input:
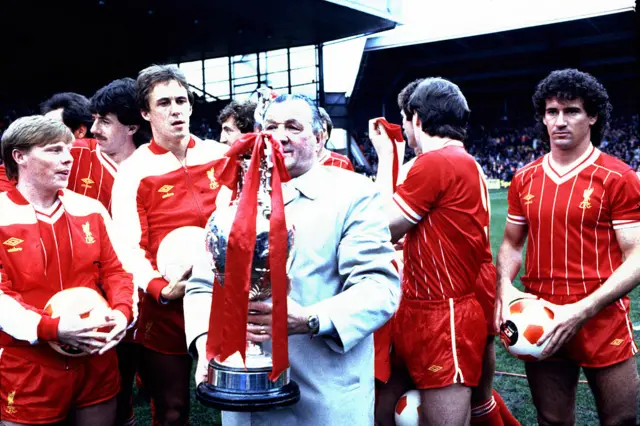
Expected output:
(291, 123)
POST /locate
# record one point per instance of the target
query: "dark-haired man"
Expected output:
(442, 208)
(116, 129)
(487, 407)
(236, 119)
(73, 109)
(579, 211)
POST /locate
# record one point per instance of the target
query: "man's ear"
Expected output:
(18, 156)
(132, 130)
(415, 120)
(146, 115)
(80, 132)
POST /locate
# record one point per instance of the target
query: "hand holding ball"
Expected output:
(83, 312)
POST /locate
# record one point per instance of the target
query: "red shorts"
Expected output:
(382, 336)
(37, 392)
(606, 339)
(161, 327)
(440, 342)
(382, 344)
(485, 290)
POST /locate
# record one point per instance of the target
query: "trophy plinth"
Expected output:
(232, 385)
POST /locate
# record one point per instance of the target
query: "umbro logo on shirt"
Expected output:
(166, 189)
(13, 242)
(528, 199)
(86, 183)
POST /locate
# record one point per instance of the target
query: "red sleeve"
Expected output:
(515, 214)
(117, 283)
(76, 153)
(23, 321)
(130, 216)
(5, 183)
(423, 187)
(624, 200)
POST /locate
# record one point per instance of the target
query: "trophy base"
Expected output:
(239, 389)
(226, 400)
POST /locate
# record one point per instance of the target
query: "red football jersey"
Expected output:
(5, 183)
(336, 160)
(93, 172)
(572, 218)
(445, 195)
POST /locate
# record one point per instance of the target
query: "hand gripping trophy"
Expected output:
(249, 243)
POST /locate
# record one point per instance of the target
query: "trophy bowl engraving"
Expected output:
(217, 240)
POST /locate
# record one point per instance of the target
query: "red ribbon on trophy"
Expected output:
(394, 131)
(229, 305)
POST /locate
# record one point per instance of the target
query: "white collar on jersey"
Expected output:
(584, 161)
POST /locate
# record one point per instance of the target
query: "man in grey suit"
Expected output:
(343, 283)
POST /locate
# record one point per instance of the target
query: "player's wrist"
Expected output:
(49, 329)
(589, 306)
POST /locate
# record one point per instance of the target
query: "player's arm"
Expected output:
(399, 225)
(624, 279)
(21, 320)
(130, 217)
(508, 264)
(509, 259)
(383, 146)
(425, 183)
(28, 323)
(116, 280)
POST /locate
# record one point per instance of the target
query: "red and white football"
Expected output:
(81, 301)
(408, 409)
(527, 321)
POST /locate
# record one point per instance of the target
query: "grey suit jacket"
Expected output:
(342, 268)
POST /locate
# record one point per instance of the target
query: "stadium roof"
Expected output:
(503, 64)
(49, 43)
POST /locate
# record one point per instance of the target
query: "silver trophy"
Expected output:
(229, 385)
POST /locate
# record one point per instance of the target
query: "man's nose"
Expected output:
(175, 108)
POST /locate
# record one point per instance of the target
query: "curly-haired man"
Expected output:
(579, 211)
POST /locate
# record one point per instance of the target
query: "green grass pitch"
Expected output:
(514, 390)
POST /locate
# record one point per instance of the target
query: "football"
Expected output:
(408, 409)
(81, 301)
(527, 321)
(178, 250)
